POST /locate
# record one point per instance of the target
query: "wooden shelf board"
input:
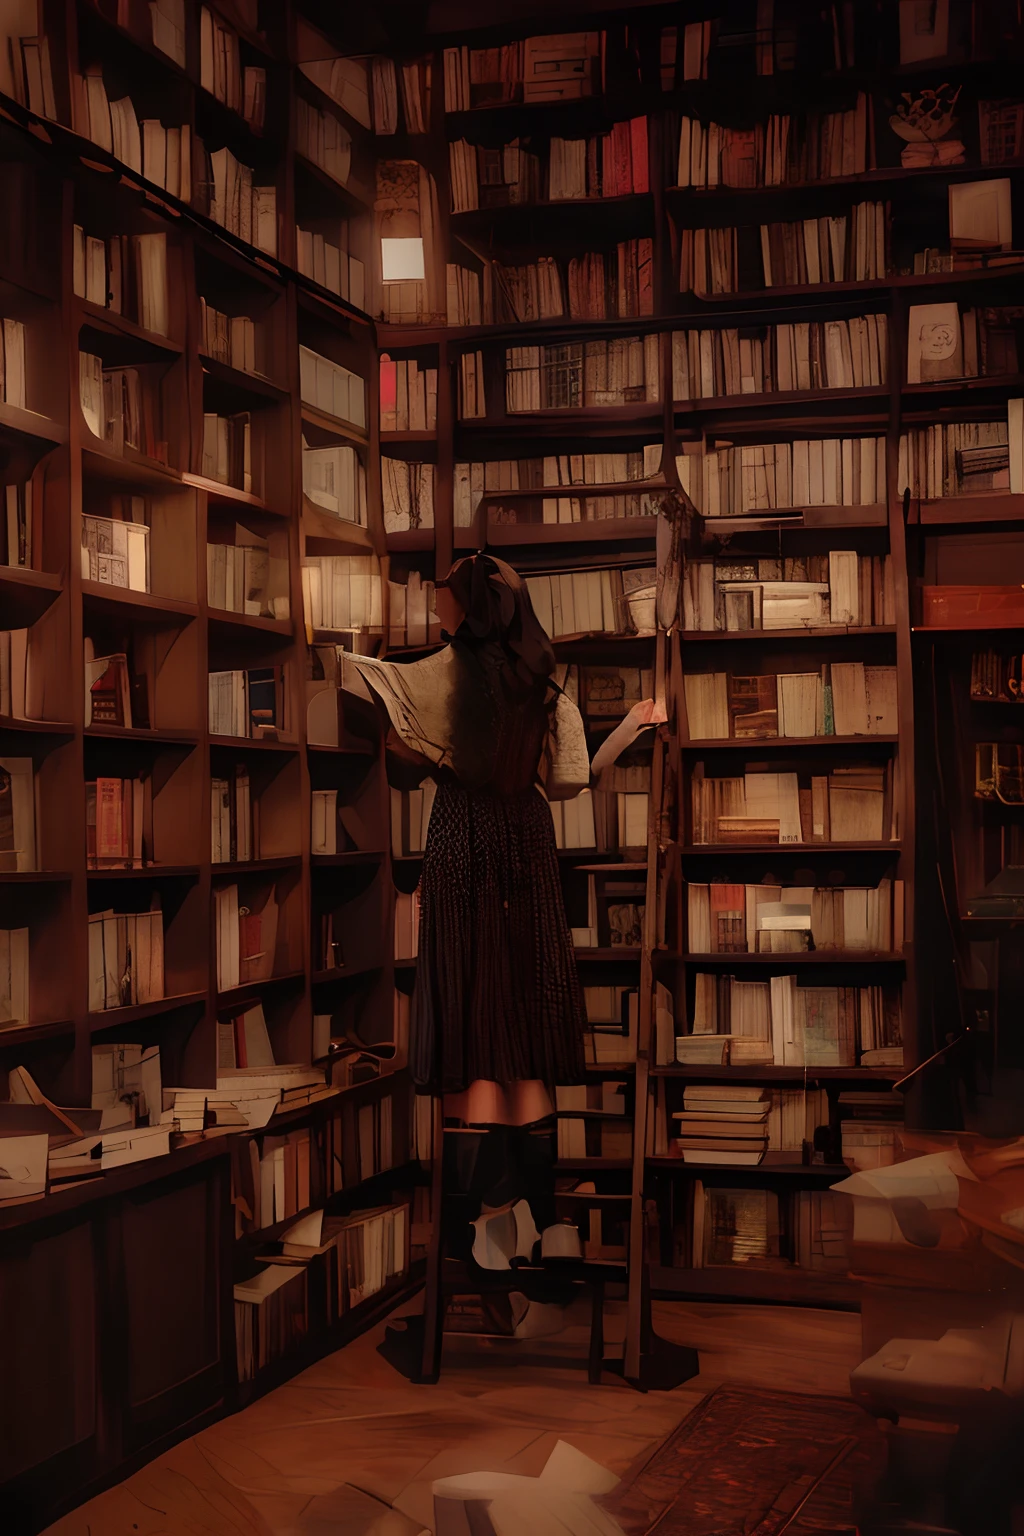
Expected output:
(346, 751)
(14, 420)
(256, 384)
(576, 491)
(590, 531)
(225, 619)
(27, 1034)
(103, 319)
(624, 952)
(356, 856)
(407, 435)
(129, 468)
(701, 1072)
(253, 744)
(35, 876)
(217, 491)
(352, 200)
(255, 866)
(761, 636)
(147, 872)
(25, 595)
(345, 972)
(779, 400)
(708, 850)
(780, 1287)
(36, 727)
(983, 507)
(334, 424)
(254, 989)
(642, 415)
(799, 957)
(756, 744)
(161, 738)
(774, 1165)
(594, 1165)
(149, 608)
(112, 1018)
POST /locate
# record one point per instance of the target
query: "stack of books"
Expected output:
(816, 354)
(723, 1125)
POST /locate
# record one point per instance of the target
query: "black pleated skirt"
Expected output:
(497, 994)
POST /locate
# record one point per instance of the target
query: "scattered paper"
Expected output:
(22, 1166)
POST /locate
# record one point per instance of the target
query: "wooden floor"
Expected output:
(343, 1447)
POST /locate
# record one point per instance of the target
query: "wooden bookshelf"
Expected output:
(57, 178)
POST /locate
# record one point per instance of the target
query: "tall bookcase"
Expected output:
(310, 216)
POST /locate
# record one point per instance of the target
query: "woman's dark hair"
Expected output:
(497, 607)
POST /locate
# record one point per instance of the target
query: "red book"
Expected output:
(638, 155)
(621, 155)
(388, 394)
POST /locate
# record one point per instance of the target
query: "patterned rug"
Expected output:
(752, 1463)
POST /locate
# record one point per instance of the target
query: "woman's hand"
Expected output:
(647, 712)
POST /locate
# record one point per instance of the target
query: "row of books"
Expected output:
(774, 919)
(472, 389)
(227, 450)
(246, 702)
(337, 827)
(581, 1110)
(783, 1022)
(814, 472)
(16, 685)
(234, 820)
(331, 388)
(237, 202)
(748, 1227)
(118, 407)
(17, 814)
(612, 820)
(563, 67)
(613, 164)
(721, 48)
(407, 490)
(963, 457)
(335, 480)
(374, 1149)
(618, 371)
(814, 146)
(331, 264)
(410, 818)
(842, 588)
(231, 339)
(731, 1124)
(14, 976)
(12, 363)
(242, 89)
(473, 481)
(118, 823)
(163, 155)
(591, 601)
(245, 578)
(30, 77)
(997, 677)
(942, 343)
(346, 81)
(115, 552)
(408, 395)
(125, 273)
(616, 906)
(810, 355)
(321, 137)
(839, 248)
(272, 1308)
(126, 959)
(602, 693)
(407, 925)
(413, 77)
(17, 525)
(342, 592)
(844, 698)
(847, 805)
(246, 935)
(596, 286)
